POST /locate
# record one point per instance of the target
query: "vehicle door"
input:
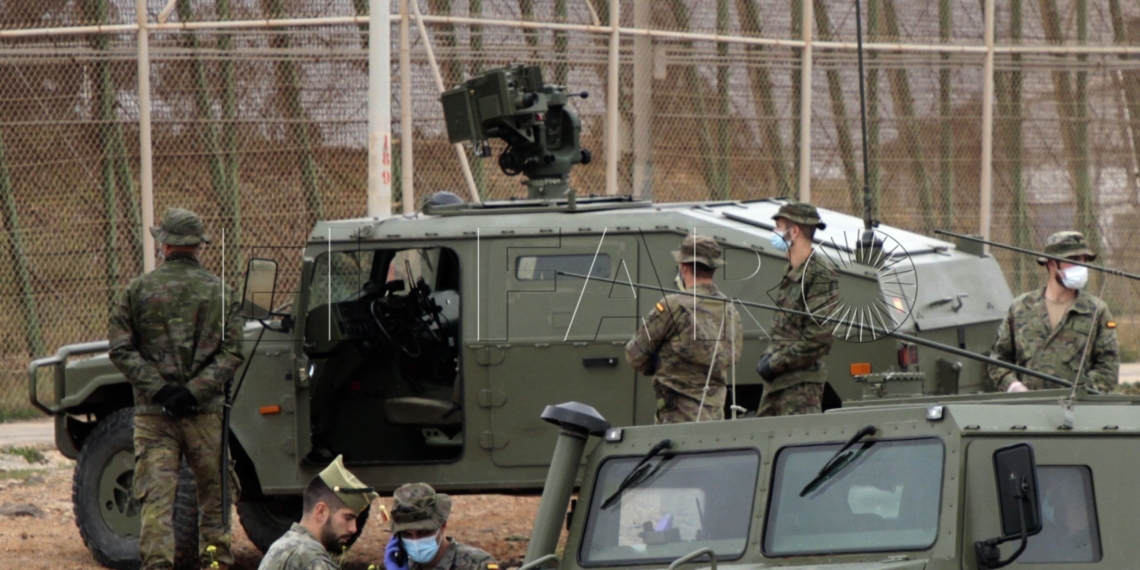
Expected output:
(557, 338)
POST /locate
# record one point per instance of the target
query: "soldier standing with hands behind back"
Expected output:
(688, 343)
(176, 335)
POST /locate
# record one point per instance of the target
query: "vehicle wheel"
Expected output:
(106, 510)
(265, 521)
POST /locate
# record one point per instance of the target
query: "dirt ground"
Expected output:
(39, 532)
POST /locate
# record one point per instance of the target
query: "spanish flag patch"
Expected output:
(661, 308)
(1111, 324)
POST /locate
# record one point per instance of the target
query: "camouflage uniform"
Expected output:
(1025, 336)
(799, 342)
(688, 341)
(299, 549)
(416, 506)
(166, 330)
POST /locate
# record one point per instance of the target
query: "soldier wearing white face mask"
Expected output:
(1059, 329)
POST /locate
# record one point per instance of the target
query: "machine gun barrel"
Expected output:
(893, 334)
(1107, 270)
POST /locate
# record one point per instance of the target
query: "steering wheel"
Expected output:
(400, 330)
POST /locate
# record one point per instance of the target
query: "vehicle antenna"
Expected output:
(868, 207)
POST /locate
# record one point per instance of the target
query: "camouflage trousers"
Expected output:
(795, 400)
(160, 444)
(674, 407)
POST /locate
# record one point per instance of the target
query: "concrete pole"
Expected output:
(613, 121)
(406, 163)
(805, 102)
(379, 110)
(986, 198)
(146, 176)
(642, 104)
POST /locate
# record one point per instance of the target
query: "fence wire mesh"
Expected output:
(263, 129)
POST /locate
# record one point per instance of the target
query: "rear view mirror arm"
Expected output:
(987, 553)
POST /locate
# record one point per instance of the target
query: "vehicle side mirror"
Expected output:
(1015, 471)
(260, 280)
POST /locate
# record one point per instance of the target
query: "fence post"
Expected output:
(986, 198)
(407, 195)
(380, 110)
(642, 103)
(612, 94)
(805, 101)
(146, 180)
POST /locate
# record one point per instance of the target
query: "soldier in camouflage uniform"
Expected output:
(1059, 329)
(176, 335)
(333, 501)
(419, 540)
(792, 367)
(688, 343)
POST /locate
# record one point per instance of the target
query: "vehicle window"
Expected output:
(338, 276)
(545, 267)
(887, 497)
(1069, 530)
(684, 503)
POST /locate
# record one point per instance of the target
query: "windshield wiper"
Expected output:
(841, 459)
(640, 472)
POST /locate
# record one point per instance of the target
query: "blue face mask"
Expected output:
(421, 550)
(778, 241)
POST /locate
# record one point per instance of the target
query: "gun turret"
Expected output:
(514, 104)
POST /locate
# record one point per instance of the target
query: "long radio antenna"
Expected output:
(868, 207)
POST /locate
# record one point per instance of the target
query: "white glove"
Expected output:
(1017, 386)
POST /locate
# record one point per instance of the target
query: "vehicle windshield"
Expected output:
(886, 498)
(685, 503)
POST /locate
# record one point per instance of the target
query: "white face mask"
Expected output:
(1075, 277)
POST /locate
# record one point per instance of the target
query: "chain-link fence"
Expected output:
(258, 122)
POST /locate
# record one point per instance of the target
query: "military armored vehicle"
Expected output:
(959, 482)
(443, 334)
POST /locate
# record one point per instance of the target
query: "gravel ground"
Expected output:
(37, 528)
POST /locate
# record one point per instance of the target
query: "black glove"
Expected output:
(653, 364)
(764, 370)
(165, 393)
(181, 404)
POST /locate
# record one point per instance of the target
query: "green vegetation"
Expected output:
(31, 454)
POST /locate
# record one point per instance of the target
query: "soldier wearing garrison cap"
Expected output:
(690, 340)
(176, 334)
(419, 540)
(792, 367)
(1059, 329)
(333, 501)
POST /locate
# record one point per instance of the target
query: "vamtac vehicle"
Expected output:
(923, 483)
(443, 334)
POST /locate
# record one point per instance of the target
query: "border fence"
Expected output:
(1010, 119)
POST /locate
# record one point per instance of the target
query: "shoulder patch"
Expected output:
(492, 566)
(661, 308)
(1110, 324)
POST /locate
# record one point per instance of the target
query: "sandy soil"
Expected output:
(49, 539)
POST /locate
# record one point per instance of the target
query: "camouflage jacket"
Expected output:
(799, 342)
(166, 328)
(459, 556)
(676, 343)
(1025, 338)
(297, 549)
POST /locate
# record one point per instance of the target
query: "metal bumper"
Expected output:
(58, 361)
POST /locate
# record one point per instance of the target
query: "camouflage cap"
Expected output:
(1066, 244)
(416, 506)
(180, 227)
(701, 249)
(354, 494)
(801, 213)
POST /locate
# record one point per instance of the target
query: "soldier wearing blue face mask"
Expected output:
(1059, 329)
(419, 540)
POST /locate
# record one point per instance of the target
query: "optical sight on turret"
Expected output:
(514, 104)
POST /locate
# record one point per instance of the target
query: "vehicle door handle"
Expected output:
(600, 362)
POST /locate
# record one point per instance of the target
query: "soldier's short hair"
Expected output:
(319, 492)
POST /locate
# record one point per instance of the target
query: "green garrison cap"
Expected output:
(347, 487)
(1066, 244)
(180, 227)
(701, 249)
(416, 506)
(801, 213)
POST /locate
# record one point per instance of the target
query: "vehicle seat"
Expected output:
(426, 410)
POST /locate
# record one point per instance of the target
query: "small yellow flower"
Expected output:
(211, 549)
(214, 564)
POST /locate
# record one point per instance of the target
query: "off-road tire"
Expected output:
(104, 503)
(266, 520)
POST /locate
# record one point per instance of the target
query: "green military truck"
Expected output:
(442, 335)
(920, 483)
